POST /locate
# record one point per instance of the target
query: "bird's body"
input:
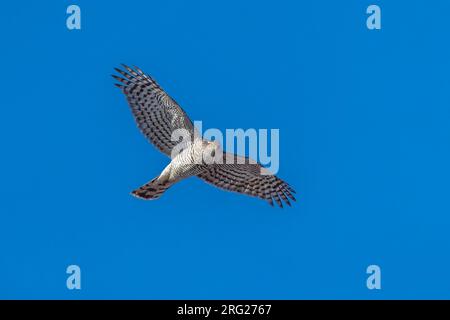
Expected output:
(184, 165)
(160, 118)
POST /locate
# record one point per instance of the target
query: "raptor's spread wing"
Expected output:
(243, 175)
(157, 115)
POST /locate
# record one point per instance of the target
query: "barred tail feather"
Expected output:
(151, 190)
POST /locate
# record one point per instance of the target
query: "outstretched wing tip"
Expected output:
(125, 66)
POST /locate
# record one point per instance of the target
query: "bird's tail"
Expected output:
(151, 190)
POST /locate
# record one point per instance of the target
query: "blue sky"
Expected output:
(364, 139)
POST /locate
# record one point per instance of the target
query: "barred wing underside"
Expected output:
(245, 176)
(156, 113)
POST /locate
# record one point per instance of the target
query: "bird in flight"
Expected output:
(158, 116)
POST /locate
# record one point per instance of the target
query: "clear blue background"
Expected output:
(364, 119)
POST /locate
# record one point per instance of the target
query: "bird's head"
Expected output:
(211, 151)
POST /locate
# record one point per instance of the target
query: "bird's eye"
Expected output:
(213, 154)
